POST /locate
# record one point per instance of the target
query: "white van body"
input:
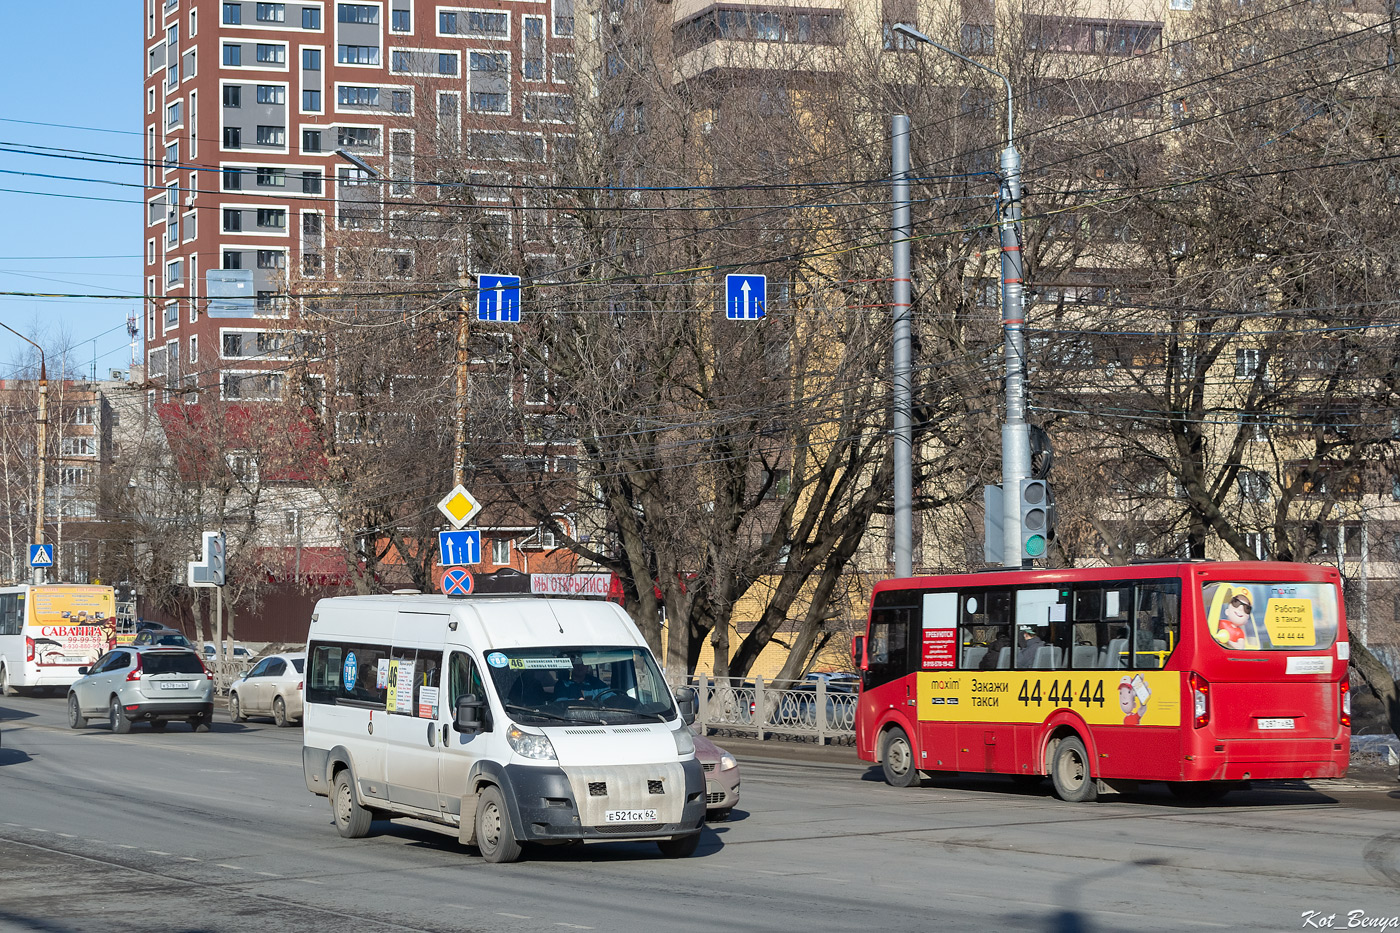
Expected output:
(613, 762)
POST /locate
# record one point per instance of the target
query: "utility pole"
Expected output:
(459, 450)
(42, 421)
(902, 369)
(1015, 435)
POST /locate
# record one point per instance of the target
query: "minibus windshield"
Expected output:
(606, 685)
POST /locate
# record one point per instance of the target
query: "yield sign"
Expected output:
(457, 581)
(459, 506)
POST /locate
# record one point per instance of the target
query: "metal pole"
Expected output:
(1015, 436)
(459, 452)
(43, 425)
(902, 371)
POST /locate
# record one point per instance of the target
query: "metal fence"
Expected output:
(808, 709)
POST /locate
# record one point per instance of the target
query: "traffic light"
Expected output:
(1037, 518)
(214, 546)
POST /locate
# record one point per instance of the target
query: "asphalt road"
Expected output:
(215, 831)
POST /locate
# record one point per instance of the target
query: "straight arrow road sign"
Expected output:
(498, 298)
(745, 297)
(459, 547)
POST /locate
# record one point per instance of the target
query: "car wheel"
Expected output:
(116, 718)
(158, 725)
(235, 710)
(76, 719)
(5, 689)
(351, 820)
(717, 816)
(679, 846)
(1070, 772)
(493, 833)
(898, 760)
(279, 713)
(198, 723)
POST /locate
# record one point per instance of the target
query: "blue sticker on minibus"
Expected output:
(496, 659)
(352, 667)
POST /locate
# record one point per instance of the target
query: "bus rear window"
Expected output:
(1271, 616)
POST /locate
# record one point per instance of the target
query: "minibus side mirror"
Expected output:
(468, 714)
(686, 702)
(858, 652)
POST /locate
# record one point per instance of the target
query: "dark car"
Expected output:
(161, 636)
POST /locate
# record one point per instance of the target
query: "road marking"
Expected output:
(513, 916)
(572, 926)
(123, 846)
(157, 852)
(309, 881)
(35, 829)
(186, 858)
(12, 824)
(232, 867)
(68, 836)
(267, 873)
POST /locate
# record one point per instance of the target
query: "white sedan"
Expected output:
(272, 688)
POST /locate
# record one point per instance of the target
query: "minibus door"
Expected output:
(458, 751)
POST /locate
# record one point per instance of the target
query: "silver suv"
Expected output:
(156, 683)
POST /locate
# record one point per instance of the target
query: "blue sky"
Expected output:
(76, 63)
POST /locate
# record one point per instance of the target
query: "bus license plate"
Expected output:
(1275, 724)
(631, 816)
(185, 685)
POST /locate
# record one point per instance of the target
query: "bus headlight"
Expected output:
(685, 742)
(530, 744)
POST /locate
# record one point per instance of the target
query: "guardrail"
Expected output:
(802, 708)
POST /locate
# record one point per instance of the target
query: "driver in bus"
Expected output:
(579, 684)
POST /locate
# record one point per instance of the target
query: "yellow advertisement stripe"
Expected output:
(1108, 698)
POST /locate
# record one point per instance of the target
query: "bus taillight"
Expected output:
(28, 648)
(1346, 703)
(1200, 692)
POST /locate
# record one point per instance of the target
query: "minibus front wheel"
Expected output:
(493, 833)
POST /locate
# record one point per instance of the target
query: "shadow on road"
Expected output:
(422, 837)
(13, 756)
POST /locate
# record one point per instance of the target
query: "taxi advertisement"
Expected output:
(1101, 698)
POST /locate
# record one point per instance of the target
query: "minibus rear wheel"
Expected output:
(351, 820)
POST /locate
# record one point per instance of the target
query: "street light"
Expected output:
(43, 423)
(1015, 436)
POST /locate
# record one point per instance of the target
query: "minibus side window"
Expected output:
(464, 679)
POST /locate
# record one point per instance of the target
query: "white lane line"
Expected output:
(68, 836)
(267, 873)
(157, 852)
(231, 867)
(762, 871)
(35, 829)
(12, 824)
(309, 881)
(572, 926)
(122, 846)
(186, 858)
(502, 913)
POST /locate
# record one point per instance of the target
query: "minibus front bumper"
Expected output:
(545, 808)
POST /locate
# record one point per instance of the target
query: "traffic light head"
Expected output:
(1036, 518)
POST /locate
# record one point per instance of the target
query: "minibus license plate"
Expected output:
(631, 816)
(1275, 724)
(174, 685)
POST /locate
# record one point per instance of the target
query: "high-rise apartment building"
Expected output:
(260, 115)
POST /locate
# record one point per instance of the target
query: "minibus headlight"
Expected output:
(685, 742)
(530, 744)
(726, 762)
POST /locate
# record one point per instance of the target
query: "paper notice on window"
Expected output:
(381, 676)
(427, 702)
(403, 690)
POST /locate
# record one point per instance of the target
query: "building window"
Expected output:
(311, 59)
(233, 137)
(233, 55)
(357, 54)
(75, 476)
(272, 135)
(489, 102)
(173, 114)
(487, 25)
(265, 301)
(172, 156)
(357, 13)
(233, 259)
(272, 12)
(563, 17)
(1254, 485)
(78, 447)
(447, 63)
(173, 272)
(172, 317)
(447, 24)
(233, 14)
(233, 95)
(311, 101)
(351, 96)
(500, 550)
(272, 177)
(272, 217)
(401, 101)
(359, 137)
(233, 220)
(488, 62)
(272, 94)
(269, 54)
(1246, 363)
(311, 140)
(310, 182)
(271, 259)
(194, 348)
(310, 18)
(401, 21)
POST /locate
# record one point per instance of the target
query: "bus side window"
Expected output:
(889, 645)
(1157, 623)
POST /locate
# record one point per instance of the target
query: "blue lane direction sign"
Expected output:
(457, 581)
(498, 298)
(459, 547)
(745, 297)
(41, 555)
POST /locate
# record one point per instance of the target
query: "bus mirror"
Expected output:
(686, 701)
(468, 714)
(858, 651)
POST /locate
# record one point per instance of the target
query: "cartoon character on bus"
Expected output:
(1234, 624)
(1133, 695)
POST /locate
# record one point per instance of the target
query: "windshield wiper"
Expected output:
(660, 717)
(536, 711)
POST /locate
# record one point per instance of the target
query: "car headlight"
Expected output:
(726, 761)
(685, 742)
(530, 744)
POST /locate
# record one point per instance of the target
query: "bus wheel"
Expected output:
(493, 833)
(351, 820)
(897, 759)
(5, 689)
(1199, 791)
(1070, 771)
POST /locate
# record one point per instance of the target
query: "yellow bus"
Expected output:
(48, 631)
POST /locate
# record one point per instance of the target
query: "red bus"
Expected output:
(1204, 675)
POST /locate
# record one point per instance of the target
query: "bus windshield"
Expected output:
(602, 685)
(1271, 616)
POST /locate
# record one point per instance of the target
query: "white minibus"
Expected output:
(510, 720)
